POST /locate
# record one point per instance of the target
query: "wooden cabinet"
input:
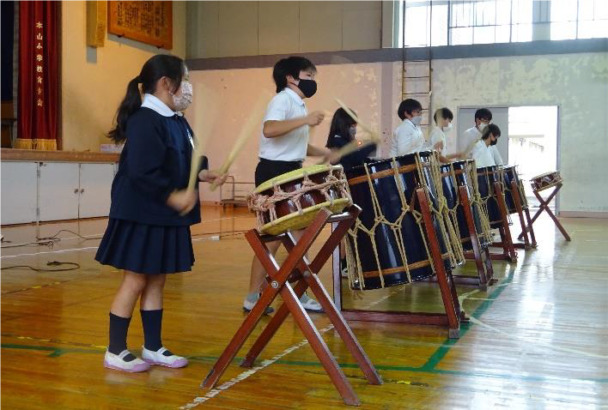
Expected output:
(19, 196)
(95, 187)
(58, 191)
(55, 191)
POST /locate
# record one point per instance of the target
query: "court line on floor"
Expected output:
(59, 351)
(100, 235)
(534, 343)
(443, 350)
(197, 238)
(537, 343)
(56, 341)
(447, 345)
(246, 374)
(50, 252)
(45, 285)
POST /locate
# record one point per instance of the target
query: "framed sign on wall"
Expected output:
(150, 22)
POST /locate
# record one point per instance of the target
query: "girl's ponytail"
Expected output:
(130, 104)
(157, 67)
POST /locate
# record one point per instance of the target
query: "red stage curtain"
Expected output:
(38, 75)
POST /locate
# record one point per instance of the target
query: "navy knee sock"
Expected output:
(119, 326)
(152, 321)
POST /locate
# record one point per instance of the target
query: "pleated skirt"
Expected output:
(146, 249)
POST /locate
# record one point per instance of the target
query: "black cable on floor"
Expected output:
(75, 266)
(47, 240)
(72, 232)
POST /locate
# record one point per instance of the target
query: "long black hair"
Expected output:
(340, 125)
(161, 65)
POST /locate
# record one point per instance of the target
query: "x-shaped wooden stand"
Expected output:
(544, 206)
(297, 268)
(481, 255)
(524, 220)
(526, 223)
(506, 242)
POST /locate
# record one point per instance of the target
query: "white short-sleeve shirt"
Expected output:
(407, 139)
(469, 139)
(286, 105)
(437, 135)
(496, 155)
(482, 154)
(471, 136)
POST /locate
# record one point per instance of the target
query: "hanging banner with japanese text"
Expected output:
(38, 75)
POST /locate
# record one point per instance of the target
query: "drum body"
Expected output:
(292, 200)
(380, 189)
(509, 175)
(486, 177)
(453, 176)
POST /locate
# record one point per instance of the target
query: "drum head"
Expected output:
(295, 175)
(295, 221)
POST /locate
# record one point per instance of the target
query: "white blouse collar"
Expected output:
(295, 96)
(155, 104)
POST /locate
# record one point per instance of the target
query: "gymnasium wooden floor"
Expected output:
(539, 339)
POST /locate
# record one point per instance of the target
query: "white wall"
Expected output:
(577, 83)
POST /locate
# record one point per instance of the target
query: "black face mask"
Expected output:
(308, 87)
(494, 142)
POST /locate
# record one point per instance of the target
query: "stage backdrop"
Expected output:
(38, 75)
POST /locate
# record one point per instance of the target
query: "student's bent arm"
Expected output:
(313, 151)
(274, 128)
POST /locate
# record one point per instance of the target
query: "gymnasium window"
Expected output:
(423, 23)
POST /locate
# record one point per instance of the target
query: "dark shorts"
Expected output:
(268, 169)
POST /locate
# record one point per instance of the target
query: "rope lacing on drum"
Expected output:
(446, 224)
(479, 203)
(407, 206)
(260, 203)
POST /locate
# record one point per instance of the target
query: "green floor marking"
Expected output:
(55, 351)
(444, 349)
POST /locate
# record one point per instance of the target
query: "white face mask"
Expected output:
(352, 131)
(416, 120)
(482, 126)
(448, 127)
(184, 100)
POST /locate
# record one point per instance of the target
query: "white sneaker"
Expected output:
(159, 359)
(248, 306)
(310, 305)
(117, 362)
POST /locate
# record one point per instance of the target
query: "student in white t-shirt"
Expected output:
(483, 117)
(443, 123)
(284, 146)
(482, 150)
(407, 137)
